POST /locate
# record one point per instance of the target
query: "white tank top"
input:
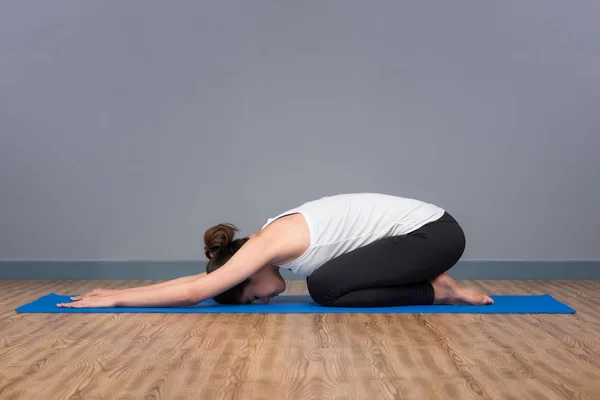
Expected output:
(339, 224)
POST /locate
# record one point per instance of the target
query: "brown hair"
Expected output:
(219, 246)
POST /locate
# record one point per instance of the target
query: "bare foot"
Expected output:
(448, 292)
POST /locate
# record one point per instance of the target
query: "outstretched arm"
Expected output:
(106, 292)
(267, 247)
(253, 255)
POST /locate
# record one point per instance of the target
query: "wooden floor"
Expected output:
(331, 356)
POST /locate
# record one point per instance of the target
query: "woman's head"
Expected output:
(219, 246)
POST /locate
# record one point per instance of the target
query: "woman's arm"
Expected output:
(257, 252)
(106, 292)
(173, 293)
(279, 241)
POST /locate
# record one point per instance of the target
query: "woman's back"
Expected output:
(341, 223)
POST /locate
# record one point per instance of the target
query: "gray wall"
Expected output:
(127, 128)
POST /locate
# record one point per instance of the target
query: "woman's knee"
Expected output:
(320, 291)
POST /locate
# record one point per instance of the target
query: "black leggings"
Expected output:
(392, 271)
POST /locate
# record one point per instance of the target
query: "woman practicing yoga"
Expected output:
(355, 250)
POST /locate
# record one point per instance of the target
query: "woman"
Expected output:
(355, 250)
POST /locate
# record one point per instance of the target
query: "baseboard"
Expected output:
(163, 270)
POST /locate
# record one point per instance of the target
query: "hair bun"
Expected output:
(218, 238)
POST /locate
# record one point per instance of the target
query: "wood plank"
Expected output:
(304, 356)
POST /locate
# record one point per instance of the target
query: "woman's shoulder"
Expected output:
(289, 235)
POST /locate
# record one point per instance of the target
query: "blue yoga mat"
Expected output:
(543, 304)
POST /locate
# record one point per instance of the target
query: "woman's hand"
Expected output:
(95, 293)
(107, 301)
(97, 298)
